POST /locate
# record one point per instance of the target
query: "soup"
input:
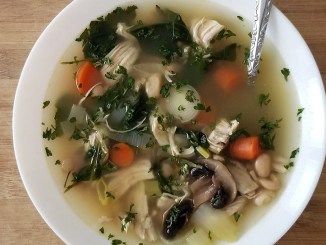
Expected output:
(153, 133)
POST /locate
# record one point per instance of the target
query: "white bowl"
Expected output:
(33, 83)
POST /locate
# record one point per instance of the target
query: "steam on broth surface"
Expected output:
(161, 140)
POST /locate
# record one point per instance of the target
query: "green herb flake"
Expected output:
(151, 142)
(102, 230)
(240, 17)
(46, 103)
(236, 216)
(299, 113)
(181, 108)
(50, 133)
(190, 96)
(294, 153)
(225, 33)
(165, 148)
(250, 34)
(286, 73)
(75, 61)
(264, 99)
(267, 134)
(109, 195)
(110, 75)
(210, 235)
(110, 236)
(151, 101)
(194, 230)
(130, 216)
(117, 242)
(48, 152)
(57, 162)
(193, 122)
(199, 107)
(289, 165)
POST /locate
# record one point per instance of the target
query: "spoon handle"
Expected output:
(263, 9)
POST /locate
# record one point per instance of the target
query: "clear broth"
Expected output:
(83, 198)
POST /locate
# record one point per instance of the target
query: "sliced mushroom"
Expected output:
(221, 178)
(176, 217)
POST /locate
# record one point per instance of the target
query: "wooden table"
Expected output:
(21, 22)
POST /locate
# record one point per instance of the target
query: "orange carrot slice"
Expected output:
(121, 155)
(87, 76)
(245, 148)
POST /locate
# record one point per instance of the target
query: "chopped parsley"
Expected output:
(57, 162)
(200, 107)
(109, 195)
(210, 235)
(240, 17)
(250, 34)
(101, 37)
(294, 153)
(130, 216)
(190, 96)
(299, 113)
(289, 165)
(193, 122)
(264, 99)
(102, 230)
(151, 142)
(181, 108)
(165, 89)
(236, 216)
(194, 230)
(75, 61)
(225, 34)
(286, 73)
(50, 133)
(110, 236)
(48, 152)
(46, 103)
(267, 135)
(110, 75)
(151, 101)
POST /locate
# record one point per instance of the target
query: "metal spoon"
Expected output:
(263, 9)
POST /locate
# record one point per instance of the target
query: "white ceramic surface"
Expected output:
(28, 110)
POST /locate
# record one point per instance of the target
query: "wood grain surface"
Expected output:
(21, 22)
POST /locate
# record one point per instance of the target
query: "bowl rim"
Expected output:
(23, 129)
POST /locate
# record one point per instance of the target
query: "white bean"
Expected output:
(272, 183)
(264, 197)
(263, 165)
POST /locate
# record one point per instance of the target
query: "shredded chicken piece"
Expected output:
(245, 184)
(236, 206)
(161, 136)
(219, 137)
(144, 226)
(123, 54)
(139, 171)
(204, 30)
